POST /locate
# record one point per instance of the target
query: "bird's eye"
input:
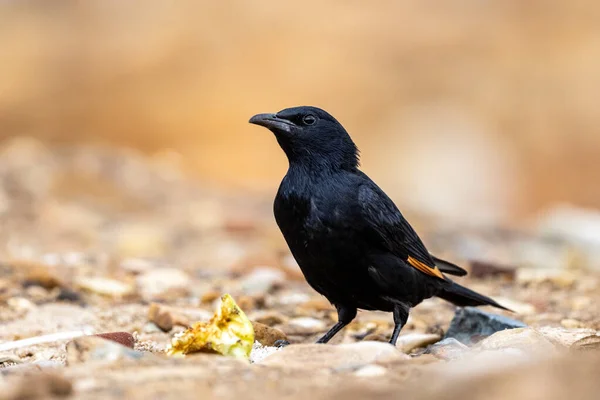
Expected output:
(309, 119)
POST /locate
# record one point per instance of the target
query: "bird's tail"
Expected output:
(463, 297)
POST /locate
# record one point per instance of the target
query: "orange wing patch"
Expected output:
(425, 268)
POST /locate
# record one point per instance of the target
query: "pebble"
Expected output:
(136, 266)
(20, 304)
(210, 296)
(266, 335)
(486, 269)
(308, 323)
(41, 277)
(261, 280)
(571, 323)
(268, 317)
(411, 341)
(123, 338)
(248, 303)
(161, 317)
(104, 286)
(471, 324)
(293, 298)
(159, 280)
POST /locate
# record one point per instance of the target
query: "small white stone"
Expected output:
(158, 280)
(104, 286)
(308, 323)
(261, 280)
(412, 341)
(293, 298)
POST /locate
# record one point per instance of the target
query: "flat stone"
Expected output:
(411, 341)
(527, 339)
(344, 356)
(104, 286)
(93, 348)
(470, 324)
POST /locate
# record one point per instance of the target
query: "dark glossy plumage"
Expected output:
(350, 240)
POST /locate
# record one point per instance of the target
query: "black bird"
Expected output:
(350, 240)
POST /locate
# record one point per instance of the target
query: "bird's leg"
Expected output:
(400, 318)
(345, 316)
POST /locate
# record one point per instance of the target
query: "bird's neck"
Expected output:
(316, 168)
(317, 158)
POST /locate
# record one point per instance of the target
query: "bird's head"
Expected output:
(311, 137)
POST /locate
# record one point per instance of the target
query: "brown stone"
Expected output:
(266, 335)
(161, 317)
(123, 338)
(209, 296)
(487, 269)
(40, 276)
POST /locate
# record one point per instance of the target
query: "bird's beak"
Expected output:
(270, 121)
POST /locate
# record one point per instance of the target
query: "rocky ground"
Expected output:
(101, 241)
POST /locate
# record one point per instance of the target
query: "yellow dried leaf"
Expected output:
(229, 332)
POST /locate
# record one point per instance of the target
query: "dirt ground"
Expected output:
(92, 238)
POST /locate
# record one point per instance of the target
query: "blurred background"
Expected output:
(462, 109)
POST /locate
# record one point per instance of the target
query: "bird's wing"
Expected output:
(387, 227)
(448, 268)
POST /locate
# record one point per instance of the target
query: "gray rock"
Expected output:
(470, 324)
(97, 349)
